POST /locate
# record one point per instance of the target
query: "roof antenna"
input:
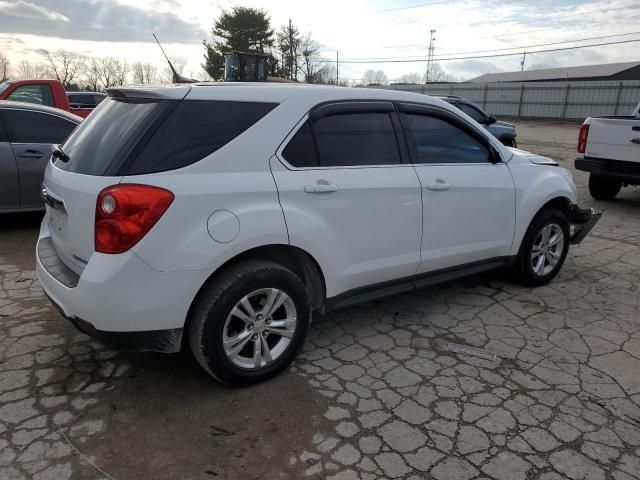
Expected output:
(177, 78)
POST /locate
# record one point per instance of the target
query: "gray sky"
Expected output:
(358, 28)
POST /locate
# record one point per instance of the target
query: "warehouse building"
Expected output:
(607, 71)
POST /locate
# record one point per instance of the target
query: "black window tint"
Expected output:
(38, 94)
(473, 112)
(356, 139)
(195, 129)
(36, 127)
(101, 144)
(3, 134)
(300, 151)
(438, 141)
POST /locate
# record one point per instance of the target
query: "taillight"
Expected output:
(125, 213)
(582, 138)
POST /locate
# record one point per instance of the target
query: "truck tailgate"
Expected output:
(614, 139)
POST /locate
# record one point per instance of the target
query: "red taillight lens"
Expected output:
(582, 138)
(125, 213)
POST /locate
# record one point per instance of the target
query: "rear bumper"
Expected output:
(625, 171)
(582, 220)
(118, 299)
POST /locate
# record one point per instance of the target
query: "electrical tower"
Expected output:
(432, 47)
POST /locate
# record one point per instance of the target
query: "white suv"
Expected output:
(222, 215)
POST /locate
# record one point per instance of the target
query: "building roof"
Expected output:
(573, 73)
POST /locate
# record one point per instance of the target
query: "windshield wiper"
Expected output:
(58, 153)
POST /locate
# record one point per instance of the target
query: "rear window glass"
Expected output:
(195, 129)
(27, 126)
(127, 137)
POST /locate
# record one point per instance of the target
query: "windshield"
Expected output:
(4, 86)
(101, 143)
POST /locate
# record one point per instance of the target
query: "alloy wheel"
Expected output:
(547, 249)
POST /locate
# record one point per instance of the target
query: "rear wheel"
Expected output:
(544, 248)
(249, 323)
(510, 142)
(603, 188)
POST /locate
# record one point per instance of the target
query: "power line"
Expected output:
(520, 47)
(493, 56)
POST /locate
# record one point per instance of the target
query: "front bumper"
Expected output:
(582, 221)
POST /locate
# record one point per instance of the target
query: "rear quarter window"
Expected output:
(136, 137)
(194, 130)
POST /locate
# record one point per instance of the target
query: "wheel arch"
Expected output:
(294, 258)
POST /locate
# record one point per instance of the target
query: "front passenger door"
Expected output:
(468, 193)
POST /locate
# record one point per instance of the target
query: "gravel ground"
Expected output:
(376, 392)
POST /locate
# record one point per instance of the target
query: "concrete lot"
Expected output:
(376, 394)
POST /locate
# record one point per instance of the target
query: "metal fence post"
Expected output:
(566, 101)
(618, 95)
(451, 89)
(520, 102)
(484, 98)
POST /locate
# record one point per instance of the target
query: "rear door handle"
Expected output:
(30, 154)
(321, 188)
(439, 184)
(636, 141)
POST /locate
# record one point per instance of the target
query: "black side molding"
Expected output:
(394, 287)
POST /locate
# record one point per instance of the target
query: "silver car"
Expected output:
(27, 132)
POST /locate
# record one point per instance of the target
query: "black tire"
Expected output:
(603, 188)
(510, 142)
(523, 269)
(207, 321)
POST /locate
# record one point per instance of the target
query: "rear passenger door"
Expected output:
(9, 186)
(349, 195)
(31, 134)
(468, 193)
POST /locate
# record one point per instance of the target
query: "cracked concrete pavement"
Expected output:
(376, 392)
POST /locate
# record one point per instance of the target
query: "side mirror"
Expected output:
(491, 120)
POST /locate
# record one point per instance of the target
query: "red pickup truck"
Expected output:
(51, 93)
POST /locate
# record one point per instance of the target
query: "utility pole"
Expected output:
(432, 47)
(524, 56)
(290, 52)
(337, 67)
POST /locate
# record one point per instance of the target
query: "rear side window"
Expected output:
(36, 127)
(38, 94)
(341, 140)
(195, 129)
(435, 140)
(101, 144)
(135, 137)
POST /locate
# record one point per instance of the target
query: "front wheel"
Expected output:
(603, 188)
(249, 323)
(544, 248)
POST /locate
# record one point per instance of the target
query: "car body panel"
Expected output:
(29, 161)
(367, 232)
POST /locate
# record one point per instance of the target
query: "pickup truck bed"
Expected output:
(609, 149)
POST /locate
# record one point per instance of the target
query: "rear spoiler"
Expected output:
(172, 92)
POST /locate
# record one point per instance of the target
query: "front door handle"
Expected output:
(636, 141)
(439, 184)
(30, 154)
(321, 188)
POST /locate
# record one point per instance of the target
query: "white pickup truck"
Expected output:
(609, 149)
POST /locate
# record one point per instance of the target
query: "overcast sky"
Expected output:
(392, 29)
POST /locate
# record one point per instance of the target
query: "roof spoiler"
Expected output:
(177, 78)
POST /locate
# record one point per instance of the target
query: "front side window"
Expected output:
(435, 140)
(473, 112)
(38, 94)
(36, 127)
(343, 140)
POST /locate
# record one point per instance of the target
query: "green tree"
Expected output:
(242, 29)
